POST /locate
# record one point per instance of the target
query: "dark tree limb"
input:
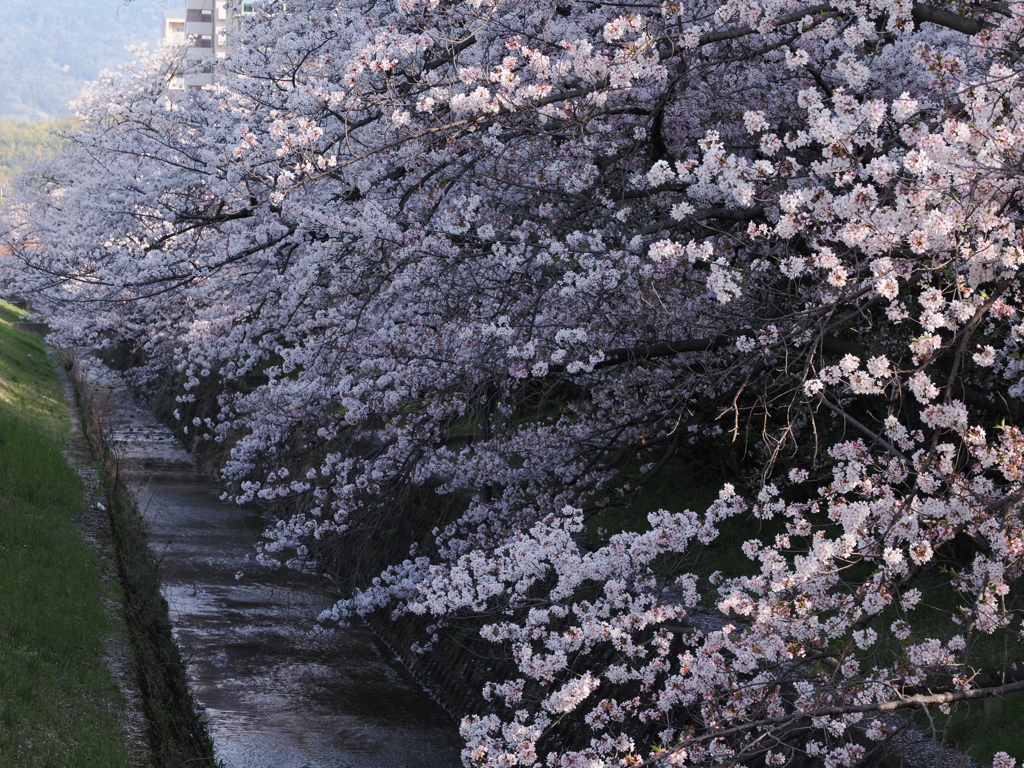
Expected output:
(943, 18)
(906, 702)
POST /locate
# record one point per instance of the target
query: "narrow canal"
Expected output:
(274, 697)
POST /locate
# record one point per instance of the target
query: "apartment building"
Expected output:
(202, 26)
(174, 28)
(174, 34)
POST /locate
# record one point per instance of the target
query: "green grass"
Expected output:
(58, 703)
(676, 487)
(979, 728)
(984, 728)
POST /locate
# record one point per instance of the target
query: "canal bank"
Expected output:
(270, 693)
(67, 686)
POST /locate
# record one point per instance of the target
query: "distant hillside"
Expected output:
(49, 48)
(23, 143)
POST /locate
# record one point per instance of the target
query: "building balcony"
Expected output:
(199, 49)
(199, 28)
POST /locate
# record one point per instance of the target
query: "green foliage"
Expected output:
(58, 703)
(23, 143)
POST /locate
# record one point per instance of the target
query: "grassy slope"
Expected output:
(58, 703)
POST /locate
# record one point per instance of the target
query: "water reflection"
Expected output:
(274, 696)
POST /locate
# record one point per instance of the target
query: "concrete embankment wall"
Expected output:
(176, 735)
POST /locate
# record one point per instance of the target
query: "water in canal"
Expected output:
(274, 696)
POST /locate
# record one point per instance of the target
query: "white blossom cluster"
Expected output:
(527, 260)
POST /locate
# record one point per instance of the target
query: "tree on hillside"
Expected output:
(23, 144)
(527, 256)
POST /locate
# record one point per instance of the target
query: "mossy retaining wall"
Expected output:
(176, 735)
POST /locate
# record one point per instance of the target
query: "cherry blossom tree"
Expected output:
(529, 256)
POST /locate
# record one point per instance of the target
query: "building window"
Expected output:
(247, 6)
(203, 41)
(194, 14)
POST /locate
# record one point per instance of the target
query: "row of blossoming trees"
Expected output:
(529, 253)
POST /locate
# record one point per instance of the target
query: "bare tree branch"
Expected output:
(906, 702)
